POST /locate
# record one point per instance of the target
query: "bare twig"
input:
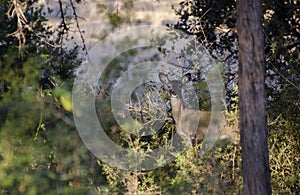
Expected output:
(78, 26)
(62, 15)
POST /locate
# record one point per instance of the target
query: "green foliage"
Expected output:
(115, 19)
(216, 172)
(284, 157)
(40, 151)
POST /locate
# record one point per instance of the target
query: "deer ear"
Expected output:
(186, 78)
(163, 78)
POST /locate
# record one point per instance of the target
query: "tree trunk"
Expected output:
(254, 141)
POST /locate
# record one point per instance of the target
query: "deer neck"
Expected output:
(177, 108)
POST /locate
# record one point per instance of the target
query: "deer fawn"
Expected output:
(191, 125)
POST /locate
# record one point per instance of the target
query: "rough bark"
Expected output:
(254, 142)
